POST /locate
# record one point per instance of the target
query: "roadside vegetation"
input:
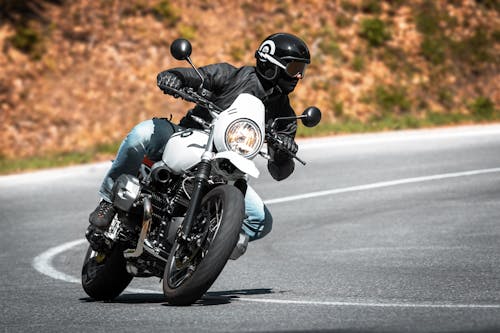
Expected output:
(482, 112)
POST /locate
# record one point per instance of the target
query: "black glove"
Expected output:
(166, 80)
(287, 144)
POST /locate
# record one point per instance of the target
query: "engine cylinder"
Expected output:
(161, 174)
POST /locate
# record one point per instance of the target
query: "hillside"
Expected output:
(76, 74)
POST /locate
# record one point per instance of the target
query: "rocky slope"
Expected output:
(74, 74)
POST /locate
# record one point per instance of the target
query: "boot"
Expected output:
(241, 246)
(103, 214)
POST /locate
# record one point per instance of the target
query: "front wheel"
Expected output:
(194, 265)
(104, 276)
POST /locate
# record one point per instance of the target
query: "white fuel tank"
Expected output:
(184, 150)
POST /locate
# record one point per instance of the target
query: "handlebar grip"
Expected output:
(272, 137)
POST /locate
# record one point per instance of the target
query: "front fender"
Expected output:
(245, 165)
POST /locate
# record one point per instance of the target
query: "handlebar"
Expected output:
(188, 94)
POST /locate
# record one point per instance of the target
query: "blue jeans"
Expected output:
(148, 139)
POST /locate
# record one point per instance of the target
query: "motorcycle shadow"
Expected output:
(131, 298)
(227, 296)
(209, 299)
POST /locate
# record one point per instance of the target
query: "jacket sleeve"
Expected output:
(281, 165)
(215, 76)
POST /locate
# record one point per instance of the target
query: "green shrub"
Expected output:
(396, 3)
(342, 20)
(19, 12)
(165, 11)
(397, 61)
(482, 107)
(358, 63)
(490, 4)
(392, 99)
(496, 36)
(328, 42)
(374, 31)
(348, 6)
(338, 108)
(436, 46)
(29, 41)
(330, 47)
(445, 97)
(433, 50)
(371, 6)
(428, 18)
(187, 31)
(474, 50)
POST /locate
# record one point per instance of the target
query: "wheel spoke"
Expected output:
(206, 228)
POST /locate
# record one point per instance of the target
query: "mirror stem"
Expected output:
(197, 71)
(286, 118)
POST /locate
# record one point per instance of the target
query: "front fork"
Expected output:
(200, 186)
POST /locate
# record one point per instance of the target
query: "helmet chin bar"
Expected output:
(283, 83)
(286, 85)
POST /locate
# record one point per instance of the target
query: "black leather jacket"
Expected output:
(226, 82)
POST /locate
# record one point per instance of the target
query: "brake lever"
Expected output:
(272, 137)
(179, 93)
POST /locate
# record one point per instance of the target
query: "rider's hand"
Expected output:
(166, 80)
(287, 143)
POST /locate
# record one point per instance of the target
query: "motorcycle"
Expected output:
(180, 218)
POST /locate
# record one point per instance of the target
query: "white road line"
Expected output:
(372, 304)
(43, 262)
(380, 185)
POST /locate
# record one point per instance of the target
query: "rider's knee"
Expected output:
(261, 225)
(268, 223)
(141, 134)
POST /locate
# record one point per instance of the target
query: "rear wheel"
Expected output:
(104, 276)
(194, 265)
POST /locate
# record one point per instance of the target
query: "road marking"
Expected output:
(372, 304)
(380, 185)
(43, 262)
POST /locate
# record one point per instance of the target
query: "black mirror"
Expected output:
(181, 49)
(311, 116)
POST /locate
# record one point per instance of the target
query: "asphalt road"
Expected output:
(390, 232)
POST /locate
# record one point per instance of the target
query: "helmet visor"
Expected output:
(296, 69)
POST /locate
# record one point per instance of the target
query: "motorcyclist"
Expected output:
(280, 63)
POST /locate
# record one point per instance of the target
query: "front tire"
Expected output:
(104, 276)
(193, 266)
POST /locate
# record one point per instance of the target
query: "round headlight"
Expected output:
(243, 137)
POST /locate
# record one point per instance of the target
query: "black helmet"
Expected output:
(282, 51)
